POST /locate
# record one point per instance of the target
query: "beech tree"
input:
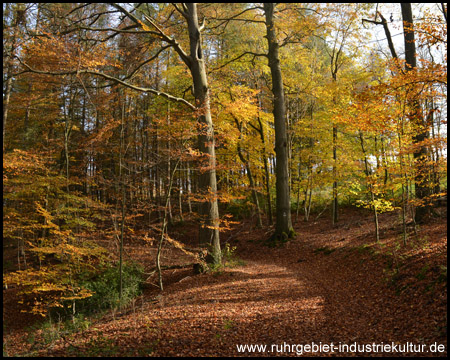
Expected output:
(15, 15)
(209, 228)
(418, 115)
(283, 225)
(421, 181)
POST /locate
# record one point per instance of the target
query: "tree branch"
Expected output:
(146, 62)
(180, 11)
(233, 18)
(186, 58)
(112, 78)
(386, 31)
(237, 58)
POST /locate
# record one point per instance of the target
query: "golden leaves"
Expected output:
(143, 25)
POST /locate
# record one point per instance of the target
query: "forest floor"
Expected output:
(334, 288)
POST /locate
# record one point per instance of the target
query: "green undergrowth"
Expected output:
(229, 260)
(105, 288)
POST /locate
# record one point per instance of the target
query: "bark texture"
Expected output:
(283, 201)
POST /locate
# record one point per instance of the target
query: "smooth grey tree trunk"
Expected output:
(8, 64)
(421, 154)
(370, 186)
(266, 167)
(283, 227)
(246, 162)
(209, 209)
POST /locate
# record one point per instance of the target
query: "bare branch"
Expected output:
(127, 13)
(386, 31)
(237, 58)
(234, 18)
(443, 8)
(112, 78)
(182, 12)
(186, 58)
(146, 62)
(125, 30)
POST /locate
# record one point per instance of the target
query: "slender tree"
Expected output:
(283, 227)
(421, 135)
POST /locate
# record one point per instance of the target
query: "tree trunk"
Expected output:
(209, 209)
(283, 227)
(436, 188)
(307, 203)
(370, 185)
(335, 195)
(266, 167)
(169, 204)
(298, 188)
(384, 159)
(8, 63)
(421, 151)
(251, 181)
(189, 187)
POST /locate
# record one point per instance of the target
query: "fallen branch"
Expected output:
(318, 216)
(168, 267)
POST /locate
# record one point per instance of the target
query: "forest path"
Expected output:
(323, 287)
(317, 288)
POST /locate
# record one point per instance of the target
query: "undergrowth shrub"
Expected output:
(229, 260)
(229, 257)
(239, 208)
(106, 287)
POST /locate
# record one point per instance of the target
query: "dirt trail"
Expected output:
(295, 295)
(318, 288)
(290, 295)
